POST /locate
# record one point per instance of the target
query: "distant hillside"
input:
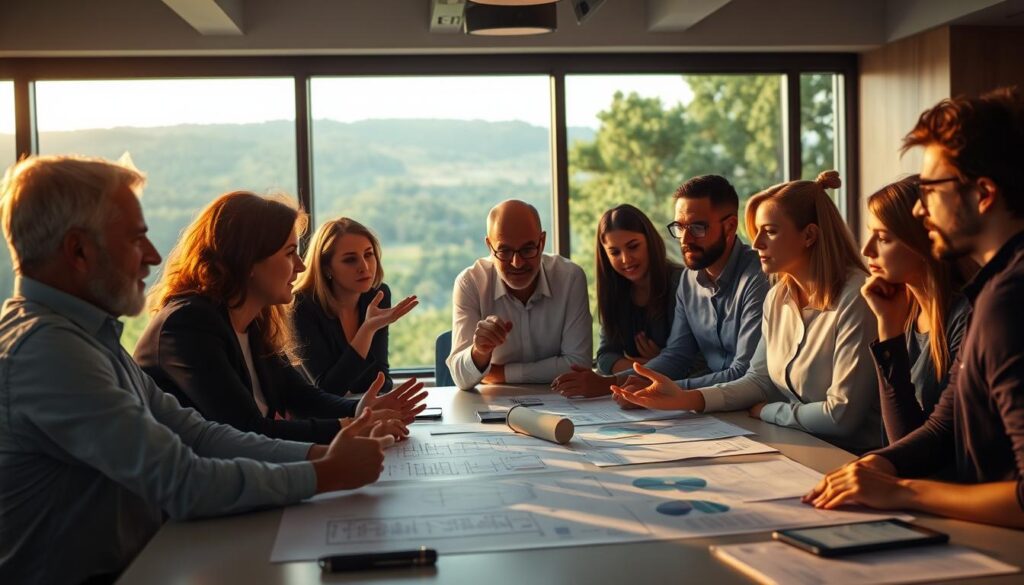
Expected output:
(419, 181)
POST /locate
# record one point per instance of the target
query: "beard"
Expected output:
(511, 274)
(704, 257)
(943, 246)
(118, 293)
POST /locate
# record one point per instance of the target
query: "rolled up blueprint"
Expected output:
(543, 425)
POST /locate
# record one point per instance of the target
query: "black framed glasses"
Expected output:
(923, 184)
(527, 252)
(697, 229)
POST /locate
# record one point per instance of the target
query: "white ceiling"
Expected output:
(281, 27)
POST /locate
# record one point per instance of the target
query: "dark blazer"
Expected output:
(191, 351)
(325, 352)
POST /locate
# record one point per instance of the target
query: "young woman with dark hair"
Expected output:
(636, 299)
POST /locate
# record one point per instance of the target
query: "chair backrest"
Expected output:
(442, 347)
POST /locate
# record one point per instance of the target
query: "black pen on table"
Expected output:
(421, 557)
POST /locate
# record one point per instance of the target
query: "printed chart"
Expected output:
(685, 429)
(543, 511)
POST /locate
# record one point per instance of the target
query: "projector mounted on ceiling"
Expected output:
(503, 17)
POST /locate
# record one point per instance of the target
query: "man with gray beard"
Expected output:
(92, 453)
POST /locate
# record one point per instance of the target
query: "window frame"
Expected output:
(25, 72)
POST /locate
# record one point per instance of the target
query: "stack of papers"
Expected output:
(777, 563)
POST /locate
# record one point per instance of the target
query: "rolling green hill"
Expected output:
(424, 185)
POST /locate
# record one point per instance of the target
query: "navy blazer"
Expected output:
(326, 354)
(191, 350)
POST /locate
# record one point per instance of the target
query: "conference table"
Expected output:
(236, 549)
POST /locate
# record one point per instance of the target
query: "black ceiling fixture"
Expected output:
(510, 18)
(513, 2)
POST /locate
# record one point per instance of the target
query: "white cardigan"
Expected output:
(813, 368)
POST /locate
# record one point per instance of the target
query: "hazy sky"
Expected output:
(74, 105)
(6, 107)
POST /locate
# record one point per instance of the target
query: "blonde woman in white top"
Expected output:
(812, 369)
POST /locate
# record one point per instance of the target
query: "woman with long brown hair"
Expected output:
(342, 308)
(221, 341)
(921, 316)
(636, 299)
(812, 369)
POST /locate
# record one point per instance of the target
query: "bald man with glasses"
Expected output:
(519, 316)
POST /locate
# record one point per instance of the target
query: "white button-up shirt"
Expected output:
(550, 333)
(813, 369)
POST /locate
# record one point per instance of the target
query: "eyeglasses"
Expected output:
(697, 229)
(527, 252)
(922, 194)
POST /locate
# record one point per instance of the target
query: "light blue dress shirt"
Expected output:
(92, 453)
(720, 320)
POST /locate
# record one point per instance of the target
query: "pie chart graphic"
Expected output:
(682, 484)
(684, 507)
(622, 430)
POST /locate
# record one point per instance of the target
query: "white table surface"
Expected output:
(236, 549)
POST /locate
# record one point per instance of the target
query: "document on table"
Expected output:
(681, 430)
(778, 563)
(758, 481)
(423, 456)
(540, 511)
(464, 428)
(635, 455)
(581, 411)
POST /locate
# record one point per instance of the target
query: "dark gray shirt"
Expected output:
(657, 330)
(907, 384)
(978, 424)
(92, 452)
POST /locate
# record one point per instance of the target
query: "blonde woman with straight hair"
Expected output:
(812, 369)
(342, 308)
(921, 316)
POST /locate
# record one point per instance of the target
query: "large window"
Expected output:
(636, 138)
(821, 133)
(420, 161)
(194, 139)
(7, 155)
(420, 148)
(6, 123)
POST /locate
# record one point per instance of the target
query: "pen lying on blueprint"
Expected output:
(421, 557)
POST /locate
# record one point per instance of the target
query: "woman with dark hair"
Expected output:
(342, 308)
(636, 298)
(921, 316)
(221, 341)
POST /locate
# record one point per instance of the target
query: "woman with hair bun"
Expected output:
(812, 369)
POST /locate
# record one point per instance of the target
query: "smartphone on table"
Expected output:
(430, 413)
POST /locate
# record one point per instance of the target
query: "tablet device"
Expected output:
(847, 539)
(431, 413)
